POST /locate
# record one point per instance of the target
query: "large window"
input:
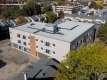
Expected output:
(24, 43)
(47, 44)
(24, 37)
(47, 51)
(36, 39)
(41, 41)
(20, 47)
(19, 41)
(18, 35)
(54, 45)
(25, 49)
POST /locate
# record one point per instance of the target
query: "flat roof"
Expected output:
(68, 30)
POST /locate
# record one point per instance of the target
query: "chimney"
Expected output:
(25, 75)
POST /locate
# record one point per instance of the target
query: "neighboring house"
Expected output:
(33, 18)
(9, 23)
(43, 69)
(101, 19)
(65, 8)
(13, 21)
(105, 2)
(28, 19)
(70, 16)
(51, 40)
(40, 17)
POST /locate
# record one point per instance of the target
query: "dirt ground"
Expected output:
(15, 61)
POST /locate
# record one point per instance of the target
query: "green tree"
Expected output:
(31, 9)
(102, 33)
(59, 2)
(74, 10)
(46, 9)
(51, 17)
(88, 63)
(93, 5)
(61, 14)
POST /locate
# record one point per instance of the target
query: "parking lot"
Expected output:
(15, 61)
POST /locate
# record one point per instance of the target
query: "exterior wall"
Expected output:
(14, 39)
(65, 9)
(61, 48)
(32, 46)
(89, 35)
(36, 44)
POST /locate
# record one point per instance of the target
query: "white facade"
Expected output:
(65, 9)
(54, 45)
(57, 48)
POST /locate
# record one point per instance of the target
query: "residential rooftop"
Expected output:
(67, 30)
(42, 70)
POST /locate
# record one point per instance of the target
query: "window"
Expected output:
(41, 41)
(36, 39)
(19, 47)
(73, 46)
(42, 48)
(53, 52)
(24, 37)
(28, 43)
(54, 45)
(36, 46)
(47, 51)
(28, 37)
(77, 44)
(25, 49)
(19, 41)
(18, 35)
(24, 43)
(47, 44)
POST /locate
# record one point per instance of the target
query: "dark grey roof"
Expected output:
(58, 21)
(5, 23)
(10, 23)
(102, 17)
(1, 24)
(43, 66)
(71, 15)
(28, 19)
(34, 18)
(40, 16)
(13, 20)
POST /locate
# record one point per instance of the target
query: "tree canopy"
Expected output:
(20, 20)
(74, 10)
(47, 8)
(51, 17)
(102, 33)
(61, 14)
(87, 63)
(31, 9)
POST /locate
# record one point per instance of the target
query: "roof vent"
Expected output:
(51, 27)
(32, 24)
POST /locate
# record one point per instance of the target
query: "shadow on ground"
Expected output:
(2, 64)
(4, 36)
